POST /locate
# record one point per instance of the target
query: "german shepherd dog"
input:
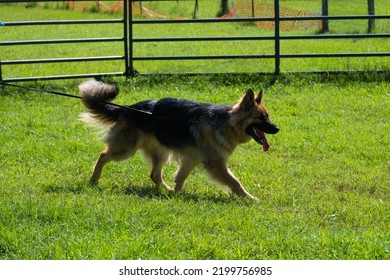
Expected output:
(192, 132)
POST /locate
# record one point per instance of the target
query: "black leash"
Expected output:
(77, 97)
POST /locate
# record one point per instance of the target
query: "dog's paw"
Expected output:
(93, 181)
(168, 188)
(251, 198)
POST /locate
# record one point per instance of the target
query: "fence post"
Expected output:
(126, 36)
(224, 8)
(371, 12)
(325, 12)
(131, 72)
(277, 36)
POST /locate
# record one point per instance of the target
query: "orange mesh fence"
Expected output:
(247, 9)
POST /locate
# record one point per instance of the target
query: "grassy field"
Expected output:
(323, 186)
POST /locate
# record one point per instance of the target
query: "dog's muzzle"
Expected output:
(258, 131)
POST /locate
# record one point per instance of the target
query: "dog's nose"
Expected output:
(276, 129)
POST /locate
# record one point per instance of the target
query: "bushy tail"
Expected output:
(94, 97)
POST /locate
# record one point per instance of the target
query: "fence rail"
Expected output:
(129, 41)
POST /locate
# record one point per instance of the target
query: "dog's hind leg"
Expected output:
(220, 172)
(103, 159)
(110, 154)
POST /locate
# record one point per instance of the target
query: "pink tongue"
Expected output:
(263, 140)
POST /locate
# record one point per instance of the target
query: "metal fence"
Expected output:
(129, 42)
(123, 56)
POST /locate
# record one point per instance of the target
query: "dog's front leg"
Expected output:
(185, 168)
(157, 178)
(220, 172)
(158, 158)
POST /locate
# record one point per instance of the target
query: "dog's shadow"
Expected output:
(143, 192)
(150, 192)
(153, 192)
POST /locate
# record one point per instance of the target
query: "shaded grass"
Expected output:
(323, 186)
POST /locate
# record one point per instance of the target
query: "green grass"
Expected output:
(323, 186)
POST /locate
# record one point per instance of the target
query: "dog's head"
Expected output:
(253, 120)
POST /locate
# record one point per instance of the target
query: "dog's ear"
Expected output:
(259, 97)
(248, 101)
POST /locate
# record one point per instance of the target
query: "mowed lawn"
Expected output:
(323, 186)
